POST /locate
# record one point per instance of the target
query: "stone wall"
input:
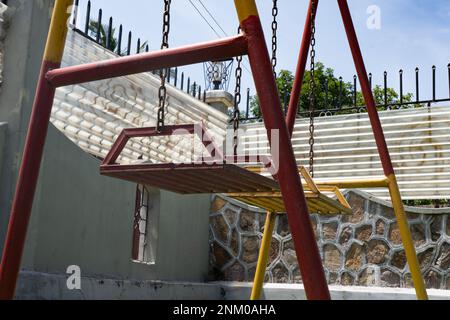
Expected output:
(363, 249)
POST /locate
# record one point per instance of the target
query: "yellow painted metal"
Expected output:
(317, 201)
(245, 9)
(263, 258)
(273, 201)
(342, 184)
(405, 234)
(355, 184)
(58, 31)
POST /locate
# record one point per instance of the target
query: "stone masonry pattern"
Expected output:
(363, 249)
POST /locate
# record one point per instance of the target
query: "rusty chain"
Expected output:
(162, 93)
(312, 88)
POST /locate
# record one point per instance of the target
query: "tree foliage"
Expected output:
(330, 92)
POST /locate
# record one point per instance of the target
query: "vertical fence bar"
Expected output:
(417, 85)
(326, 93)
(182, 81)
(110, 34)
(247, 107)
(188, 89)
(434, 82)
(130, 36)
(75, 13)
(370, 81)
(88, 18)
(176, 77)
(340, 92)
(448, 69)
(401, 86)
(119, 41)
(138, 46)
(199, 92)
(355, 90)
(99, 25)
(385, 89)
(285, 101)
(33, 150)
(204, 96)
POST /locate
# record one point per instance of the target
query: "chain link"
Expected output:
(162, 93)
(274, 37)
(237, 101)
(312, 88)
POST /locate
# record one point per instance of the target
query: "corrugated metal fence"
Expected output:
(418, 139)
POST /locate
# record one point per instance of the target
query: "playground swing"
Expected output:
(272, 203)
(207, 175)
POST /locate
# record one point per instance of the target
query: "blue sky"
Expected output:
(413, 33)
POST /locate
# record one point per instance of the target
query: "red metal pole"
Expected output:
(383, 150)
(300, 72)
(290, 184)
(207, 51)
(32, 155)
(365, 88)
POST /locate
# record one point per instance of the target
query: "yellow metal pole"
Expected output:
(405, 234)
(263, 256)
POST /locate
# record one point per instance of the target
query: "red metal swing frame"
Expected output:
(251, 43)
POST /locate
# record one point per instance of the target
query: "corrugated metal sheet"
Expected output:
(418, 140)
(93, 114)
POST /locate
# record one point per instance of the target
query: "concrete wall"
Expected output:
(79, 217)
(34, 285)
(24, 46)
(82, 218)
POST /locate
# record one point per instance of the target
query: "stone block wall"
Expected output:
(363, 249)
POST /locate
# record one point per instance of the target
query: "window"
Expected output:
(145, 220)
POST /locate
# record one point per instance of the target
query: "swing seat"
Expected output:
(210, 176)
(317, 201)
(205, 176)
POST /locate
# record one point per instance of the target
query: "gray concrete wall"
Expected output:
(79, 217)
(82, 218)
(24, 46)
(34, 286)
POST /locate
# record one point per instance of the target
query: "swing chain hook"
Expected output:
(312, 88)
(274, 37)
(162, 93)
(237, 101)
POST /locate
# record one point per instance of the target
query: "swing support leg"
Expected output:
(306, 248)
(263, 258)
(383, 150)
(32, 156)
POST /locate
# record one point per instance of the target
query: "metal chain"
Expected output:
(237, 101)
(312, 87)
(162, 93)
(274, 37)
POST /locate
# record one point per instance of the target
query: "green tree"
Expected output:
(332, 98)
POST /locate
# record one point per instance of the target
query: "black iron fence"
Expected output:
(336, 91)
(104, 33)
(335, 103)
